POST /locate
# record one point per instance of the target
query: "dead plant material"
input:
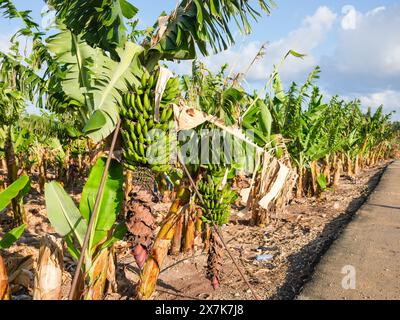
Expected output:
(163, 78)
(48, 276)
(4, 284)
(98, 276)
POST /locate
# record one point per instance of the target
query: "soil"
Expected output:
(293, 244)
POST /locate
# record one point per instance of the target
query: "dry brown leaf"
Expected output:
(48, 277)
(276, 187)
(163, 78)
(188, 118)
(162, 27)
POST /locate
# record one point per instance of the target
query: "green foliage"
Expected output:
(11, 12)
(64, 216)
(99, 23)
(258, 120)
(214, 94)
(71, 222)
(11, 237)
(323, 184)
(17, 189)
(200, 24)
(111, 200)
(94, 80)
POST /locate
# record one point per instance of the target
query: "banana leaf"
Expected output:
(95, 80)
(111, 200)
(10, 237)
(17, 189)
(64, 216)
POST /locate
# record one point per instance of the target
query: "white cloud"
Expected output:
(369, 55)
(351, 18)
(376, 11)
(366, 61)
(388, 98)
(307, 37)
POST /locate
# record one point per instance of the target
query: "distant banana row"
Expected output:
(218, 202)
(141, 134)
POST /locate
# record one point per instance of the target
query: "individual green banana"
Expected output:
(146, 102)
(139, 103)
(151, 83)
(141, 120)
(144, 80)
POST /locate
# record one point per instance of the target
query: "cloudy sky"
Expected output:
(356, 44)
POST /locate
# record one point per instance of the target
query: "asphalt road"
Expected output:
(364, 262)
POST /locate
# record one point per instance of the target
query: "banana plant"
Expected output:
(94, 67)
(16, 190)
(18, 85)
(220, 96)
(71, 223)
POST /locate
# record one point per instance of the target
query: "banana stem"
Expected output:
(151, 270)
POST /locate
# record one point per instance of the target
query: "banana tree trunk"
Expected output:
(177, 240)
(327, 170)
(12, 175)
(4, 285)
(44, 163)
(48, 277)
(373, 158)
(337, 174)
(152, 267)
(97, 276)
(349, 164)
(207, 237)
(3, 164)
(80, 167)
(66, 167)
(299, 191)
(189, 234)
(356, 165)
(215, 259)
(314, 177)
(42, 173)
(361, 161)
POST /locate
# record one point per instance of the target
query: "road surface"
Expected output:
(364, 263)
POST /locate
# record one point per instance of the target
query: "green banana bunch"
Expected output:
(218, 201)
(140, 132)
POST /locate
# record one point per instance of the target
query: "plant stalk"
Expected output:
(94, 213)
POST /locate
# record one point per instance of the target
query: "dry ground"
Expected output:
(296, 241)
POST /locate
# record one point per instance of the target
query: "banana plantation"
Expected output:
(132, 182)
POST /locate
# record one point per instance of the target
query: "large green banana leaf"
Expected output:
(64, 216)
(111, 199)
(95, 80)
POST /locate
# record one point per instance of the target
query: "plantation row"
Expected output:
(109, 108)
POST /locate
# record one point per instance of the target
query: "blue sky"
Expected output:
(356, 43)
